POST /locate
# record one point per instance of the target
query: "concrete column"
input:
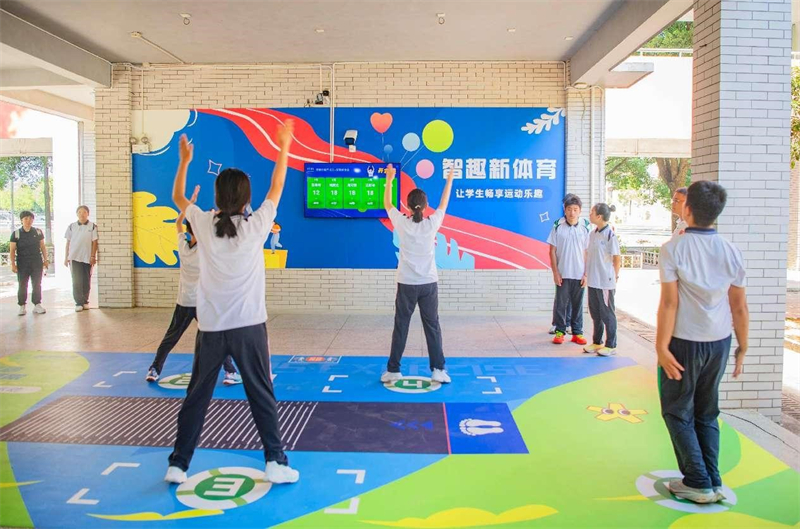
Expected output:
(740, 138)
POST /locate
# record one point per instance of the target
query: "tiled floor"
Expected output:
(128, 330)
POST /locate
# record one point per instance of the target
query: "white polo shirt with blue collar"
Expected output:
(571, 242)
(705, 265)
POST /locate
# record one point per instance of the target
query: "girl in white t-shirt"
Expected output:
(231, 312)
(417, 279)
(602, 271)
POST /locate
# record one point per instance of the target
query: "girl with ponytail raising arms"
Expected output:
(417, 279)
(231, 310)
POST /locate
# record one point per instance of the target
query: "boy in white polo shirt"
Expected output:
(568, 241)
(702, 294)
(678, 200)
(81, 256)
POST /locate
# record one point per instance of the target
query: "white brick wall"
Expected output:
(420, 84)
(88, 169)
(113, 191)
(741, 139)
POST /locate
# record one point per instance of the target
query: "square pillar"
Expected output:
(740, 138)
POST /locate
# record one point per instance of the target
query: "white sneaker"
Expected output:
(85, 306)
(440, 376)
(606, 351)
(38, 309)
(175, 475)
(78, 308)
(22, 310)
(389, 376)
(552, 330)
(278, 474)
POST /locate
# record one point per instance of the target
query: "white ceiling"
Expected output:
(284, 31)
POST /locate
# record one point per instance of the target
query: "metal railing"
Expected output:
(5, 258)
(650, 257)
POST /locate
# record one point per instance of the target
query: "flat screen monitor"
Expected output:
(347, 190)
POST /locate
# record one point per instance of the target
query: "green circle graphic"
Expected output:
(206, 489)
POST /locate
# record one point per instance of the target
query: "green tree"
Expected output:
(631, 178)
(795, 127)
(676, 35)
(24, 174)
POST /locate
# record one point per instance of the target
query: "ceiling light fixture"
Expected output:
(440, 18)
(569, 37)
(187, 18)
(319, 30)
(512, 30)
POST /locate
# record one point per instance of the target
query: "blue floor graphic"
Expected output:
(81, 470)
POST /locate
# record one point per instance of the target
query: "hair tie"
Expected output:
(417, 207)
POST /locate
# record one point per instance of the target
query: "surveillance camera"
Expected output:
(350, 137)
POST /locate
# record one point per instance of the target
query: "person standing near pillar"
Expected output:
(702, 298)
(81, 256)
(678, 200)
(28, 256)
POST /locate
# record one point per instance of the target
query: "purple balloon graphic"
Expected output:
(424, 169)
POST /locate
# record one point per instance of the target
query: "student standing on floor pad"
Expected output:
(186, 306)
(702, 297)
(602, 272)
(417, 278)
(231, 311)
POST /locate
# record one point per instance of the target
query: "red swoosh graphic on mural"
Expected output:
(492, 247)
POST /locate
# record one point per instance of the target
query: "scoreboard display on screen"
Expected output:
(348, 190)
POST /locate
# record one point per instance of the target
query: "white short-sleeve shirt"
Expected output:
(80, 237)
(417, 262)
(190, 272)
(230, 290)
(705, 265)
(571, 243)
(603, 246)
(680, 228)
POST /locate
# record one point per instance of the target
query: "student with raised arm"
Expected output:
(417, 278)
(186, 305)
(231, 309)
(702, 297)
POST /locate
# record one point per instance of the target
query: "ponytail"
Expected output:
(604, 211)
(225, 226)
(232, 193)
(417, 215)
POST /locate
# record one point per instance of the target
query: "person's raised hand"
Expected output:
(186, 149)
(286, 134)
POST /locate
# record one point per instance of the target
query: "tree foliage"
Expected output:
(631, 178)
(676, 35)
(795, 134)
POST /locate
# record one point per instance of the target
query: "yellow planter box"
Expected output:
(275, 260)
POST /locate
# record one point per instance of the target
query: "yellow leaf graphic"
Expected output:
(152, 235)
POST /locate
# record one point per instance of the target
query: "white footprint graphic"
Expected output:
(473, 427)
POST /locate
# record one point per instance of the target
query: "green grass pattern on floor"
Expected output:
(47, 377)
(580, 472)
